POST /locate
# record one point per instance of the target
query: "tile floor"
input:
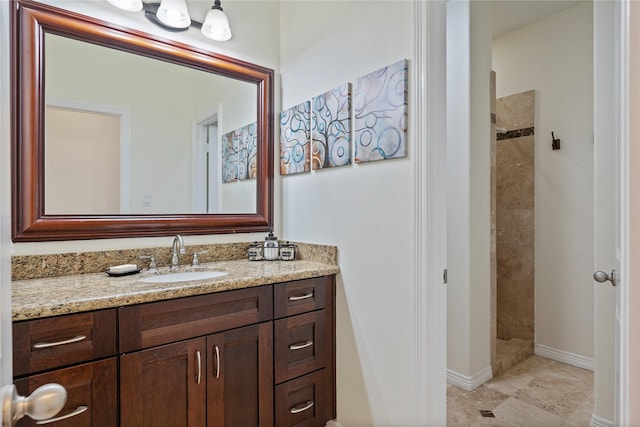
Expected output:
(536, 392)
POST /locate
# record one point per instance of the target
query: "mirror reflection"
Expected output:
(127, 134)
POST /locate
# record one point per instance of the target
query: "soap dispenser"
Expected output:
(271, 251)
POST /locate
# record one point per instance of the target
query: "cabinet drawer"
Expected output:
(54, 342)
(302, 344)
(147, 325)
(91, 386)
(301, 296)
(305, 401)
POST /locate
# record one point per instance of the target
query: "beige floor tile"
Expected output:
(582, 415)
(537, 392)
(463, 407)
(519, 376)
(516, 413)
(559, 390)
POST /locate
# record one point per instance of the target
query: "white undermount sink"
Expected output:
(183, 276)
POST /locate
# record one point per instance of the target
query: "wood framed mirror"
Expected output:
(181, 204)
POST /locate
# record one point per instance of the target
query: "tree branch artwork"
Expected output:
(295, 135)
(331, 128)
(380, 114)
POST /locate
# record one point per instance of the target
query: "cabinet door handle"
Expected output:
(79, 410)
(199, 362)
(301, 345)
(301, 407)
(40, 345)
(300, 297)
(217, 361)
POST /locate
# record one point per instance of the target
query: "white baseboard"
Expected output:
(596, 421)
(472, 382)
(565, 357)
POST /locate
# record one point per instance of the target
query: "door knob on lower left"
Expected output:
(45, 402)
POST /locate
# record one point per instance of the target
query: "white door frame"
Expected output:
(429, 116)
(6, 358)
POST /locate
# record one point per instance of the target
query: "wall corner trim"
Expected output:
(565, 357)
(596, 421)
(472, 382)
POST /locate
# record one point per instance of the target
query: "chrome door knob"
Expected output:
(601, 277)
(45, 402)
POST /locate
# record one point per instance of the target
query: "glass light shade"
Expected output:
(174, 13)
(216, 26)
(128, 5)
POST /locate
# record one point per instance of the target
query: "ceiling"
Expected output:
(509, 15)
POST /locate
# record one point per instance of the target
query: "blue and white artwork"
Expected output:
(331, 128)
(380, 114)
(229, 157)
(246, 139)
(295, 139)
(239, 150)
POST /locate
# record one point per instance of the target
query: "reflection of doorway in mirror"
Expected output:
(84, 168)
(206, 171)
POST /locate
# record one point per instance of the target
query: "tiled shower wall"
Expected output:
(515, 217)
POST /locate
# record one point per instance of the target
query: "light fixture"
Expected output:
(173, 15)
(216, 24)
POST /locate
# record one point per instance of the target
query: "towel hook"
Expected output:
(555, 143)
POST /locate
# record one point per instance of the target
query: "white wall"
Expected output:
(366, 210)
(252, 41)
(554, 57)
(468, 193)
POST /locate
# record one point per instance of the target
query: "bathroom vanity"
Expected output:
(253, 348)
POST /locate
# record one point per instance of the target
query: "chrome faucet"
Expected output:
(176, 248)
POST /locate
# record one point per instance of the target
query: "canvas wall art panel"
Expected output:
(229, 157)
(295, 139)
(380, 114)
(247, 149)
(331, 128)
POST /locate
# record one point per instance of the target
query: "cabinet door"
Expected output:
(54, 342)
(164, 386)
(305, 401)
(240, 377)
(302, 344)
(91, 395)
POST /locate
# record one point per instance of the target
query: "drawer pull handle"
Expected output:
(301, 407)
(199, 362)
(79, 410)
(217, 350)
(300, 346)
(40, 345)
(301, 297)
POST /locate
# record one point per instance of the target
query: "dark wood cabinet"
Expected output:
(54, 342)
(304, 349)
(77, 351)
(225, 379)
(240, 378)
(259, 356)
(92, 394)
(164, 386)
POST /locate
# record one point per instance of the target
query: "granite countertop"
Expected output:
(36, 298)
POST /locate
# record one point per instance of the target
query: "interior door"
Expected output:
(610, 206)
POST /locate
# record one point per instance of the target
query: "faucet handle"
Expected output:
(196, 262)
(153, 268)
